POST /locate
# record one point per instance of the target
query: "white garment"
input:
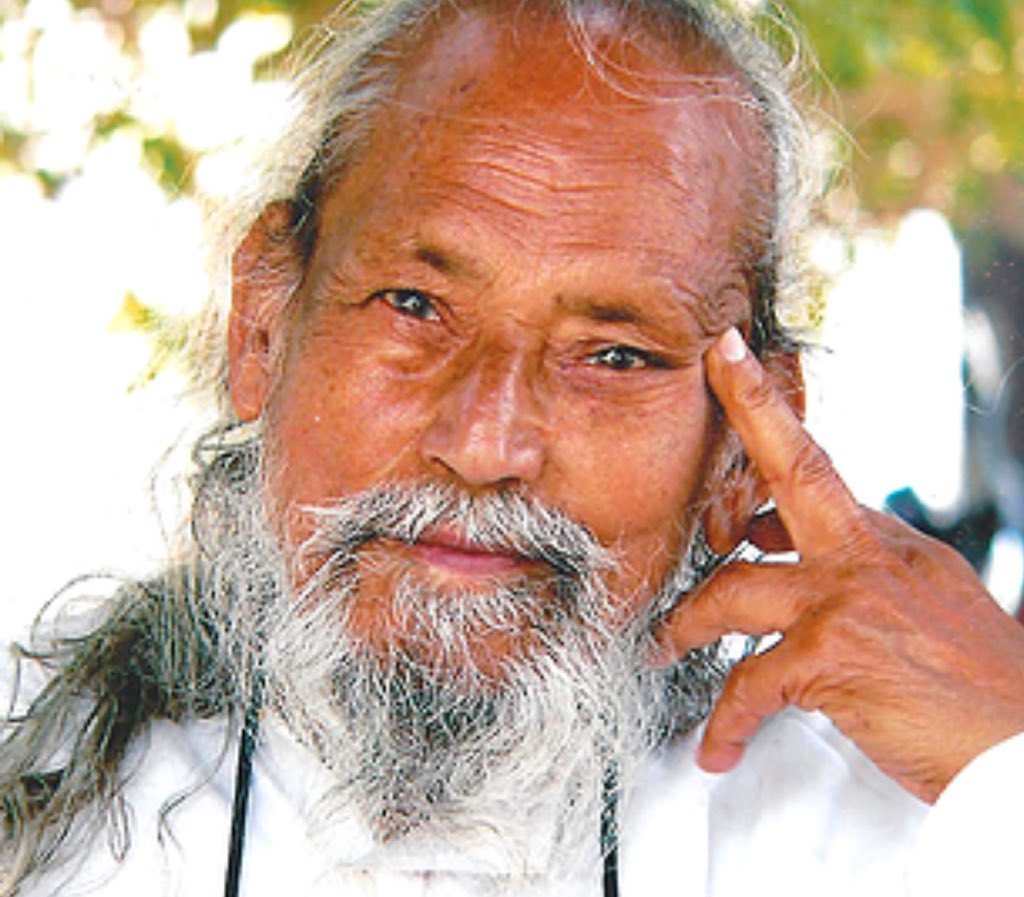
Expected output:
(804, 814)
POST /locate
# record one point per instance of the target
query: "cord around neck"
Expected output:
(243, 784)
(609, 837)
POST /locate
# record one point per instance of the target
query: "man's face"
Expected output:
(512, 290)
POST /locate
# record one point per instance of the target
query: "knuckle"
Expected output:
(803, 693)
(759, 687)
(725, 583)
(716, 596)
(811, 465)
(945, 556)
(742, 690)
(797, 600)
(734, 689)
(758, 394)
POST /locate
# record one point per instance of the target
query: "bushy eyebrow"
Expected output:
(617, 309)
(447, 261)
(605, 312)
(438, 259)
(674, 316)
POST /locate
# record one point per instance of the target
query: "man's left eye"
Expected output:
(413, 303)
(625, 358)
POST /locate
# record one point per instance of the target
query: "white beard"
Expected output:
(439, 750)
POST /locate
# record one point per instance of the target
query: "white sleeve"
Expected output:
(972, 840)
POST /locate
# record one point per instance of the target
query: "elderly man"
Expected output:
(507, 382)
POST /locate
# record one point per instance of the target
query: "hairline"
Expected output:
(708, 61)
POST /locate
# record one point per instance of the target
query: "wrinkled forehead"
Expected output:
(566, 107)
(563, 104)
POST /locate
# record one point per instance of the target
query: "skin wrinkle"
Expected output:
(422, 91)
(663, 331)
(564, 193)
(530, 157)
(647, 40)
(709, 309)
(709, 312)
(516, 148)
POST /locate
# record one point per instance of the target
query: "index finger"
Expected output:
(814, 503)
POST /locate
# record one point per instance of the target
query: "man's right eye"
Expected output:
(412, 303)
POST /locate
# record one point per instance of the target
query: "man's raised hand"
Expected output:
(886, 631)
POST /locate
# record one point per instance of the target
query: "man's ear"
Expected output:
(735, 487)
(265, 270)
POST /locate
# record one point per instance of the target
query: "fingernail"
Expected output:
(731, 346)
(718, 759)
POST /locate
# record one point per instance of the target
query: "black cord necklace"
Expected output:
(610, 830)
(243, 784)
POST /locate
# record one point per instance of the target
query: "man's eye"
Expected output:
(625, 358)
(410, 302)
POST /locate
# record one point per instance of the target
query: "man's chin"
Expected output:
(484, 661)
(480, 658)
(450, 631)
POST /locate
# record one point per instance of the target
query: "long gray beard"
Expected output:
(437, 748)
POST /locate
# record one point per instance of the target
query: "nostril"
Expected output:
(485, 451)
(485, 443)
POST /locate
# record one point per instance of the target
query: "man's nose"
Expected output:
(488, 429)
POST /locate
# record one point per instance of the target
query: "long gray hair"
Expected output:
(164, 648)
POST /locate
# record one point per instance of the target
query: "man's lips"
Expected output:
(453, 554)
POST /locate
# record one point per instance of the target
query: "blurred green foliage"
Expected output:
(930, 93)
(168, 336)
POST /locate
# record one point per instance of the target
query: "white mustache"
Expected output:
(502, 522)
